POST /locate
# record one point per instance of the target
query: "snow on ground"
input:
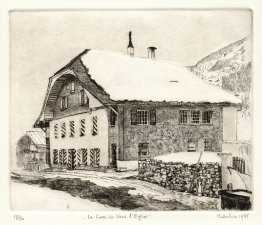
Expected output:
(29, 197)
(172, 82)
(190, 157)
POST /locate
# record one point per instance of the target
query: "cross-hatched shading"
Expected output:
(84, 157)
(82, 127)
(64, 156)
(63, 130)
(56, 130)
(61, 157)
(79, 157)
(95, 128)
(94, 157)
(71, 164)
(72, 128)
(55, 155)
(239, 164)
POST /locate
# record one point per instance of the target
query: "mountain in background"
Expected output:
(231, 69)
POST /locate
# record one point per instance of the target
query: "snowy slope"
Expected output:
(133, 78)
(231, 69)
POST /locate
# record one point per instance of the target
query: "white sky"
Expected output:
(43, 42)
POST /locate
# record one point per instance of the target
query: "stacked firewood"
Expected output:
(178, 176)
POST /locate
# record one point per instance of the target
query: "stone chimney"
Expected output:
(151, 52)
(130, 47)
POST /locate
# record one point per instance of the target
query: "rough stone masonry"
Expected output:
(178, 176)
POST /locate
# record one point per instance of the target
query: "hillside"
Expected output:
(231, 69)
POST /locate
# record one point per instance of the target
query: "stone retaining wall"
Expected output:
(178, 176)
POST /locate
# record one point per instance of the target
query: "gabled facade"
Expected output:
(31, 151)
(106, 110)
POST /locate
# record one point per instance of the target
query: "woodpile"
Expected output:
(178, 176)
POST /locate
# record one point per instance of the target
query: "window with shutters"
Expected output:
(143, 149)
(191, 146)
(208, 144)
(94, 127)
(195, 117)
(113, 116)
(64, 103)
(82, 127)
(207, 117)
(143, 117)
(56, 130)
(72, 128)
(83, 99)
(183, 116)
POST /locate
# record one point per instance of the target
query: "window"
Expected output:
(143, 149)
(72, 87)
(239, 164)
(142, 117)
(191, 146)
(207, 117)
(82, 97)
(153, 117)
(208, 145)
(94, 128)
(56, 130)
(82, 127)
(72, 128)
(195, 116)
(112, 118)
(183, 116)
(64, 103)
(63, 130)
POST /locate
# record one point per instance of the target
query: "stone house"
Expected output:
(106, 109)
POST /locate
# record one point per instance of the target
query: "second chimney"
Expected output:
(151, 52)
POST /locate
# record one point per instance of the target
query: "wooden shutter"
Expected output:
(86, 99)
(79, 98)
(61, 103)
(133, 117)
(153, 117)
(66, 102)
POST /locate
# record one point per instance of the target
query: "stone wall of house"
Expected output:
(178, 176)
(168, 135)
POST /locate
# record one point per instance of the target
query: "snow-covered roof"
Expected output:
(190, 157)
(38, 137)
(125, 77)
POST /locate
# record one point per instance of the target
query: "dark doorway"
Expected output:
(113, 155)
